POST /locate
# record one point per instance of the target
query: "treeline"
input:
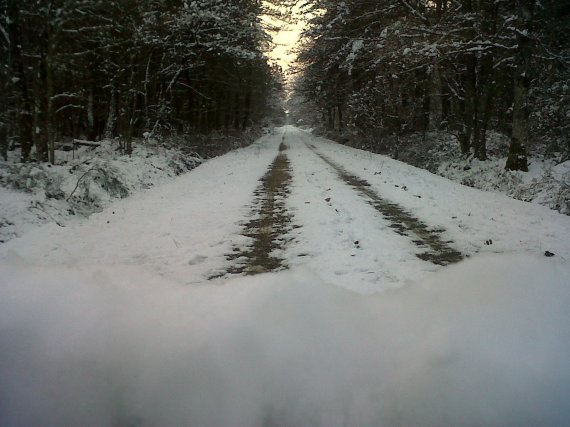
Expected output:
(124, 68)
(389, 67)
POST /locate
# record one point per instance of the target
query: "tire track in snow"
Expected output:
(270, 224)
(438, 251)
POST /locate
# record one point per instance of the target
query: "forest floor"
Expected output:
(292, 282)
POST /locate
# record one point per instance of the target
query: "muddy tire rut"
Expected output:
(437, 251)
(270, 224)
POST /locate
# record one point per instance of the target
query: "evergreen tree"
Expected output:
(121, 68)
(391, 67)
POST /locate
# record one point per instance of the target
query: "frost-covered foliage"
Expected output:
(82, 182)
(390, 67)
(547, 182)
(551, 94)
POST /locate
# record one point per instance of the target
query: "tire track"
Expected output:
(437, 251)
(270, 224)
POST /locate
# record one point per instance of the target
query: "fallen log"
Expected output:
(86, 143)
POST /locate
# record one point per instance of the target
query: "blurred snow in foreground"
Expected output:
(485, 342)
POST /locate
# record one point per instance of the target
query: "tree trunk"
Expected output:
(331, 117)
(92, 131)
(246, 108)
(5, 87)
(132, 119)
(435, 98)
(468, 104)
(485, 81)
(25, 117)
(112, 116)
(4, 73)
(3, 141)
(227, 110)
(517, 159)
(46, 148)
(236, 110)
(483, 106)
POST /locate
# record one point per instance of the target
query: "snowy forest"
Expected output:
(452, 86)
(95, 69)
(371, 69)
(270, 213)
(376, 70)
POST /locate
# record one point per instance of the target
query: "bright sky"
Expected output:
(285, 41)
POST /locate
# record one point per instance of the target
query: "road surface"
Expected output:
(294, 282)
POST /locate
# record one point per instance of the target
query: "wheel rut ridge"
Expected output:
(271, 221)
(438, 251)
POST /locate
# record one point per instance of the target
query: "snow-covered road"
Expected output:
(187, 229)
(382, 283)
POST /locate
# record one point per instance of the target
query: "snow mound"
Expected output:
(542, 184)
(547, 183)
(81, 183)
(485, 342)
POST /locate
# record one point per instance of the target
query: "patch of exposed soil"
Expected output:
(270, 224)
(437, 251)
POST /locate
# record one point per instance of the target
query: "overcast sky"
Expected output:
(285, 40)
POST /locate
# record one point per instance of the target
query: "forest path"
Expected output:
(362, 241)
(403, 223)
(269, 223)
(293, 200)
(359, 330)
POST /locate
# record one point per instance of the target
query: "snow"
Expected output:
(169, 228)
(113, 321)
(355, 47)
(485, 342)
(82, 182)
(469, 216)
(330, 230)
(546, 183)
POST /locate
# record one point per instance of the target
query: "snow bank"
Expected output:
(547, 183)
(83, 182)
(486, 342)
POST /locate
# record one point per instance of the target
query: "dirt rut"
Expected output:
(437, 251)
(270, 224)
